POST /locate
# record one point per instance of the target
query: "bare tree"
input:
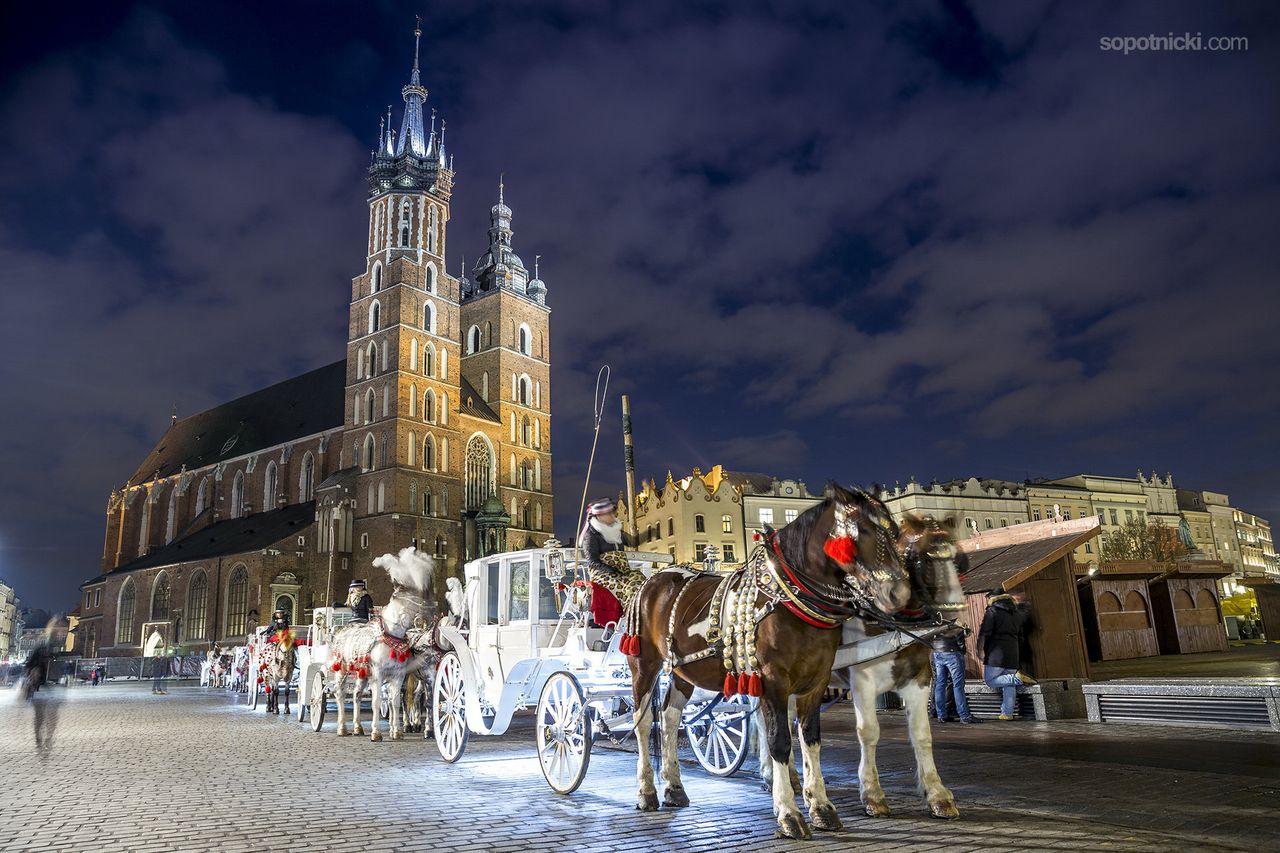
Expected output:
(1137, 540)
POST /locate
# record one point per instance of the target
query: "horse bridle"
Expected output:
(931, 610)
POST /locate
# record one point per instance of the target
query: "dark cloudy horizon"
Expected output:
(860, 241)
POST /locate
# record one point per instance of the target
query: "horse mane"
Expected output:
(793, 537)
(411, 568)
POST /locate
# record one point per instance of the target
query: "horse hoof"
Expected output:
(824, 817)
(675, 797)
(359, 730)
(876, 808)
(376, 736)
(343, 733)
(397, 736)
(648, 802)
(793, 826)
(945, 810)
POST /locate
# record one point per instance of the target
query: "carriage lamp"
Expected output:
(554, 568)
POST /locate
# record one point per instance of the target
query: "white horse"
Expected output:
(934, 565)
(382, 652)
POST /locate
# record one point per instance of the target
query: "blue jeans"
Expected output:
(949, 664)
(1007, 681)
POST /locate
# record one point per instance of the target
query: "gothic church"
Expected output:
(434, 430)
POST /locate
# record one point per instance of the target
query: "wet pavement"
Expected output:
(196, 770)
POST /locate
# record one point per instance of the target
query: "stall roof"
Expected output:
(1148, 570)
(1007, 557)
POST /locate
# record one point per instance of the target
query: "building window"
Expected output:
(202, 496)
(364, 541)
(429, 317)
(307, 479)
(1004, 522)
(375, 317)
(790, 515)
(429, 407)
(700, 552)
(990, 524)
(726, 524)
(237, 495)
(1088, 548)
(160, 598)
(429, 453)
(671, 527)
(727, 551)
(97, 598)
(1114, 518)
(433, 218)
(766, 515)
(523, 341)
(440, 552)
(1035, 513)
(699, 525)
(406, 223)
(269, 489)
(237, 602)
(1128, 516)
(1066, 515)
(366, 458)
(376, 279)
(124, 614)
(473, 339)
(197, 605)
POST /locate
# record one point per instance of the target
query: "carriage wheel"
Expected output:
(449, 709)
(316, 701)
(563, 733)
(720, 740)
(254, 690)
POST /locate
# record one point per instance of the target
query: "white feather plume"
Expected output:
(410, 568)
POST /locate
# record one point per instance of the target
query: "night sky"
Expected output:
(860, 241)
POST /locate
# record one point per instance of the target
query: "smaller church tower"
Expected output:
(506, 361)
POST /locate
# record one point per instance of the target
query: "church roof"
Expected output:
(225, 538)
(297, 407)
(473, 404)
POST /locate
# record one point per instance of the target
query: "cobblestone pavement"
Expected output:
(195, 770)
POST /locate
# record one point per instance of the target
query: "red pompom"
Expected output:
(259, 680)
(754, 686)
(337, 667)
(730, 684)
(755, 537)
(842, 549)
(362, 672)
(744, 683)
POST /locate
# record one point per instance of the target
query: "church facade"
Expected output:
(434, 430)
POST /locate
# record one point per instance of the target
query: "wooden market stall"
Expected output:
(1036, 560)
(1116, 604)
(1188, 613)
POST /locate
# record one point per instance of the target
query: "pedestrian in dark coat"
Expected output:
(1000, 642)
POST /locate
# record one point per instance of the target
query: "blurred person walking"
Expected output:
(44, 695)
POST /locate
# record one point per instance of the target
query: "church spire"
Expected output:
(413, 137)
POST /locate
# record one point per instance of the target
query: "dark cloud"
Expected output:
(858, 242)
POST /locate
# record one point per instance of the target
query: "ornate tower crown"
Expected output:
(414, 158)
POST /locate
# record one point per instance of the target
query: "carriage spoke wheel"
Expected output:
(316, 701)
(721, 738)
(449, 709)
(563, 733)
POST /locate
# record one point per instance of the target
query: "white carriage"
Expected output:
(527, 641)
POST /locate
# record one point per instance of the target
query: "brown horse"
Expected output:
(836, 560)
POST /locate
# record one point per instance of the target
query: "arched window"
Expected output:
(433, 229)
(429, 317)
(444, 407)
(237, 495)
(371, 360)
(307, 479)
(488, 333)
(537, 395)
(440, 552)
(171, 522)
(386, 400)
(124, 613)
(511, 470)
(442, 455)
(526, 432)
(526, 516)
(524, 340)
(430, 282)
(479, 472)
(429, 360)
(427, 502)
(525, 391)
(413, 400)
(366, 458)
(413, 354)
(382, 455)
(375, 317)
(160, 598)
(473, 339)
(406, 223)
(369, 406)
(269, 488)
(429, 407)
(429, 453)
(202, 496)
(413, 449)
(537, 434)
(237, 602)
(375, 280)
(369, 509)
(197, 605)
(413, 494)
(444, 365)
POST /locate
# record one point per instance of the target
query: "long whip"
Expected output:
(602, 391)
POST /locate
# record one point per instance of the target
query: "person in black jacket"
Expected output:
(948, 662)
(359, 600)
(1000, 640)
(601, 535)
